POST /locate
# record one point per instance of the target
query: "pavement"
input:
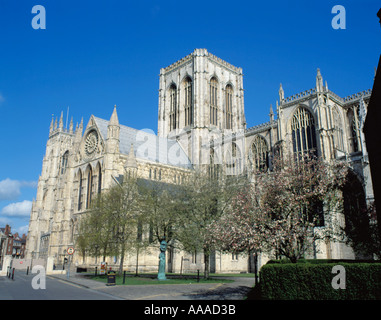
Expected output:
(236, 290)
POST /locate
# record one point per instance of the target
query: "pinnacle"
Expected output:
(114, 118)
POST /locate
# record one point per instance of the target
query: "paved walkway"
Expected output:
(236, 290)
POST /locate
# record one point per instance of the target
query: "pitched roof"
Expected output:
(147, 145)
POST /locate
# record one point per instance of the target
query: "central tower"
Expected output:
(200, 94)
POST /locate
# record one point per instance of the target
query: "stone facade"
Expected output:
(201, 119)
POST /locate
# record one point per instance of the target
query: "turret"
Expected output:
(71, 125)
(78, 132)
(271, 114)
(281, 94)
(60, 128)
(131, 160)
(113, 130)
(319, 81)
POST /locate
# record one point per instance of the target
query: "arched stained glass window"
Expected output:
(188, 103)
(259, 154)
(303, 133)
(89, 187)
(213, 101)
(173, 110)
(234, 160)
(99, 179)
(79, 190)
(338, 130)
(229, 107)
(213, 165)
(64, 161)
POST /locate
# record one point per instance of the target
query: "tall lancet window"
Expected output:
(64, 161)
(213, 101)
(173, 110)
(259, 154)
(229, 107)
(89, 187)
(80, 190)
(338, 130)
(303, 133)
(188, 103)
(99, 179)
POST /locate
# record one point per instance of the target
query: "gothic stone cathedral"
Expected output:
(201, 108)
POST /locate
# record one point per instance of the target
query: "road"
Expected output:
(78, 287)
(20, 288)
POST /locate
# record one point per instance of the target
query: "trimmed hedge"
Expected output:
(309, 281)
(319, 261)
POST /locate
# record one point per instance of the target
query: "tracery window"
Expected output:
(99, 179)
(89, 187)
(338, 130)
(354, 206)
(188, 102)
(79, 190)
(213, 166)
(64, 161)
(234, 161)
(303, 133)
(229, 107)
(259, 154)
(173, 113)
(213, 101)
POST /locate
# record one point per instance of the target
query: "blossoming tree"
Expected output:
(281, 209)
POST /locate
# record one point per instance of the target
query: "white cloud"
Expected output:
(10, 189)
(17, 209)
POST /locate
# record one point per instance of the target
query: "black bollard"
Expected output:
(13, 273)
(124, 276)
(96, 268)
(27, 270)
(198, 275)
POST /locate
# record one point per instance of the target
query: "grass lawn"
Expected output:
(240, 275)
(150, 279)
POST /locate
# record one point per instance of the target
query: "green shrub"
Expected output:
(313, 281)
(318, 261)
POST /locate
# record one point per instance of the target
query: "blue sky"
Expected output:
(95, 54)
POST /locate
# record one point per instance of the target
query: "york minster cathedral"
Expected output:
(201, 119)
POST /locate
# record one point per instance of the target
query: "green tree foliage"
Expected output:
(159, 203)
(109, 227)
(205, 198)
